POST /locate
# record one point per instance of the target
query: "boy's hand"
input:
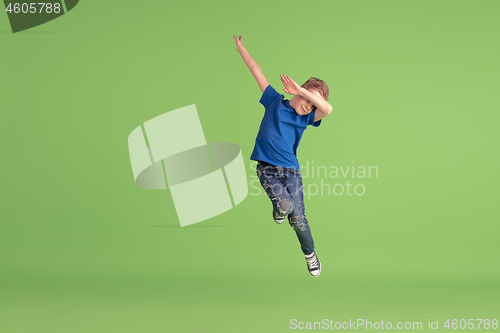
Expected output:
(291, 87)
(239, 43)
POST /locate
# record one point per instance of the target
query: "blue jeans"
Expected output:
(281, 185)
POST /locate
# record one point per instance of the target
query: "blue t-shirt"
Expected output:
(280, 131)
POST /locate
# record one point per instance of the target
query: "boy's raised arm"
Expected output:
(252, 64)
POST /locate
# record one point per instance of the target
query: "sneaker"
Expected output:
(313, 265)
(278, 218)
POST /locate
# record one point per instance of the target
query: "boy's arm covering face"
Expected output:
(314, 99)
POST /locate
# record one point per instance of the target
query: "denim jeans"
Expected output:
(283, 184)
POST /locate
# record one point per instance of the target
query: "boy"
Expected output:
(276, 145)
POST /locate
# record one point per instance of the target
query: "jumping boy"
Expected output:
(276, 146)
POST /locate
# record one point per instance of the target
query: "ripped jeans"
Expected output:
(283, 184)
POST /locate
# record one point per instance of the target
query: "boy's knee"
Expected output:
(297, 222)
(285, 207)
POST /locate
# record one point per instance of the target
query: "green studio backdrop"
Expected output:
(414, 88)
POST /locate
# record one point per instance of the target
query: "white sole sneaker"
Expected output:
(278, 218)
(313, 265)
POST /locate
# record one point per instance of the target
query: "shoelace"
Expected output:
(312, 263)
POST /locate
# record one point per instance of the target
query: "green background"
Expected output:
(414, 88)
